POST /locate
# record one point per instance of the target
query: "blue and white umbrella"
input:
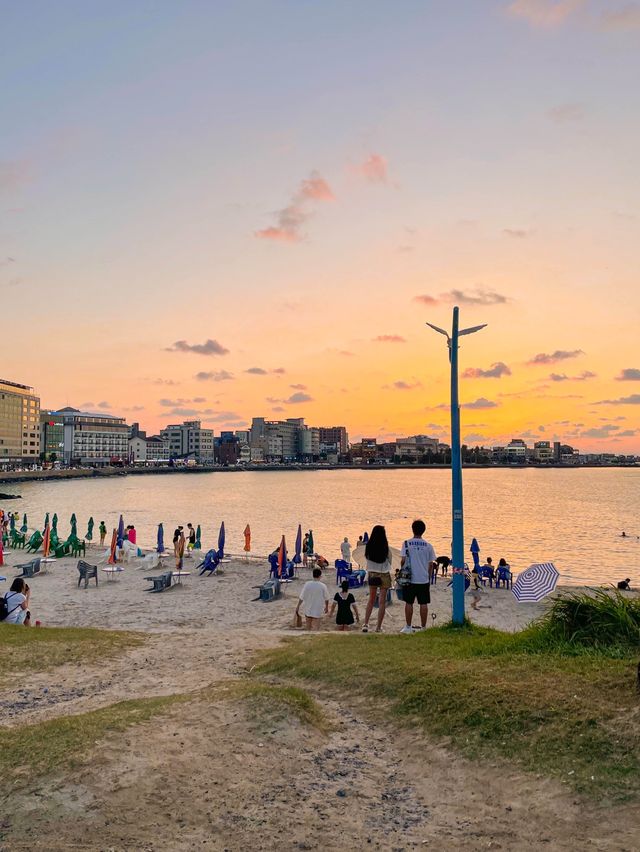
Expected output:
(536, 582)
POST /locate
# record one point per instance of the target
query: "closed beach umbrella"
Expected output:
(247, 538)
(310, 544)
(221, 541)
(282, 557)
(536, 582)
(89, 535)
(365, 537)
(113, 548)
(297, 559)
(46, 523)
(198, 544)
(74, 526)
(160, 547)
(1, 553)
(120, 532)
(24, 526)
(180, 552)
(12, 521)
(475, 552)
(46, 542)
(54, 523)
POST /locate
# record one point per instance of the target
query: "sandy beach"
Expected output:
(216, 775)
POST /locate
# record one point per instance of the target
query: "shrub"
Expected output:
(598, 618)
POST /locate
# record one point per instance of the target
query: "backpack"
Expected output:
(403, 577)
(5, 612)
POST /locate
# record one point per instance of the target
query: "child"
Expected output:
(345, 602)
(103, 532)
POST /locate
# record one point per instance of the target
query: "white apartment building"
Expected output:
(148, 450)
(19, 423)
(94, 439)
(189, 439)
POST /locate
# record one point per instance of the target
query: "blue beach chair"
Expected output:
(210, 563)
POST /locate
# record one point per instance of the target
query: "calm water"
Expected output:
(573, 517)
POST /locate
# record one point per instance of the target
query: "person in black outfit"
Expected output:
(346, 604)
(624, 586)
(176, 538)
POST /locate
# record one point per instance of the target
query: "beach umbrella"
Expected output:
(221, 541)
(89, 534)
(160, 547)
(46, 522)
(54, 523)
(1, 554)
(180, 552)
(395, 556)
(46, 541)
(247, 538)
(120, 532)
(12, 521)
(475, 552)
(536, 582)
(24, 526)
(297, 559)
(114, 545)
(310, 544)
(282, 557)
(365, 537)
(198, 544)
(74, 526)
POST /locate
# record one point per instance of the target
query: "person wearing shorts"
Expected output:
(422, 558)
(378, 560)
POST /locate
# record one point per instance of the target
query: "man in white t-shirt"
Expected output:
(345, 550)
(315, 597)
(422, 558)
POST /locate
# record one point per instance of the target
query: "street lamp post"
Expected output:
(457, 515)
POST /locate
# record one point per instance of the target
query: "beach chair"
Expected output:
(18, 540)
(34, 542)
(29, 569)
(288, 569)
(487, 574)
(210, 563)
(87, 572)
(503, 576)
(151, 560)
(344, 571)
(160, 582)
(78, 547)
(270, 590)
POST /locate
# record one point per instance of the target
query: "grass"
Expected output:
(32, 751)
(600, 618)
(567, 710)
(40, 649)
(268, 700)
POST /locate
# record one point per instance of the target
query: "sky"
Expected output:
(222, 210)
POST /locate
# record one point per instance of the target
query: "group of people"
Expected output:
(417, 560)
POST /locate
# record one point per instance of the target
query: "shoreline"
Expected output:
(97, 472)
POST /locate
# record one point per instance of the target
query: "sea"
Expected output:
(572, 517)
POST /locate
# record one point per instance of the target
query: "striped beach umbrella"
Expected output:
(247, 538)
(114, 545)
(297, 559)
(536, 582)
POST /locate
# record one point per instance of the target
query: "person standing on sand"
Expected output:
(192, 537)
(315, 598)
(421, 558)
(345, 550)
(378, 559)
(102, 529)
(346, 604)
(176, 538)
(305, 550)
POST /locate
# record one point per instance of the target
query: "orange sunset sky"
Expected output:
(224, 210)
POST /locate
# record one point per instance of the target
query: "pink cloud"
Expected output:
(547, 14)
(290, 221)
(389, 338)
(626, 18)
(373, 169)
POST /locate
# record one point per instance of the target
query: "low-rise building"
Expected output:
(543, 452)
(334, 436)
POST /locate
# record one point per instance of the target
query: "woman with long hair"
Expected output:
(378, 559)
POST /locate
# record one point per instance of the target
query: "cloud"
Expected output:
(516, 233)
(135, 408)
(171, 403)
(481, 402)
(290, 220)
(547, 14)
(214, 376)
(345, 353)
(278, 408)
(599, 431)
(104, 404)
(184, 412)
(475, 438)
(256, 371)
(628, 433)
(477, 296)
(298, 387)
(402, 385)
(555, 357)
(389, 338)
(625, 18)
(14, 174)
(562, 377)
(168, 382)
(373, 169)
(496, 371)
(565, 113)
(279, 371)
(629, 374)
(634, 399)
(7, 261)
(299, 397)
(209, 347)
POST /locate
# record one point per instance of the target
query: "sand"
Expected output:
(215, 775)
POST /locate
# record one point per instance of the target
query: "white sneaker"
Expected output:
(407, 629)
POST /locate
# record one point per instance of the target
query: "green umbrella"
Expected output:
(89, 535)
(24, 526)
(74, 526)
(54, 523)
(310, 549)
(198, 544)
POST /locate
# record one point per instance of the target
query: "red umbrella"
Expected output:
(247, 538)
(282, 556)
(1, 550)
(114, 545)
(46, 542)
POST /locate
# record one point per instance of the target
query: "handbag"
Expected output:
(404, 574)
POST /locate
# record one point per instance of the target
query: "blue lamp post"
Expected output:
(456, 468)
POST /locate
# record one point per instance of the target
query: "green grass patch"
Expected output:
(39, 649)
(568, 711)
(32, 751)
(271, 700)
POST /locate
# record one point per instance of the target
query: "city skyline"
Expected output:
(239, 212)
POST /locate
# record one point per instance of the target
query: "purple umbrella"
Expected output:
(120, 539)
(297, 559)
(475, 552)
(221, 541)
(160, 547)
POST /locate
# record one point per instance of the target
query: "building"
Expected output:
(543, 452)
(51, 436)
(516, 450)
(279, 440)
(94, 439)
(309, 443)
(19, 423)
(334, 438)
(137, 449)
(157, 449)
(189, 439)
(227, 449)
